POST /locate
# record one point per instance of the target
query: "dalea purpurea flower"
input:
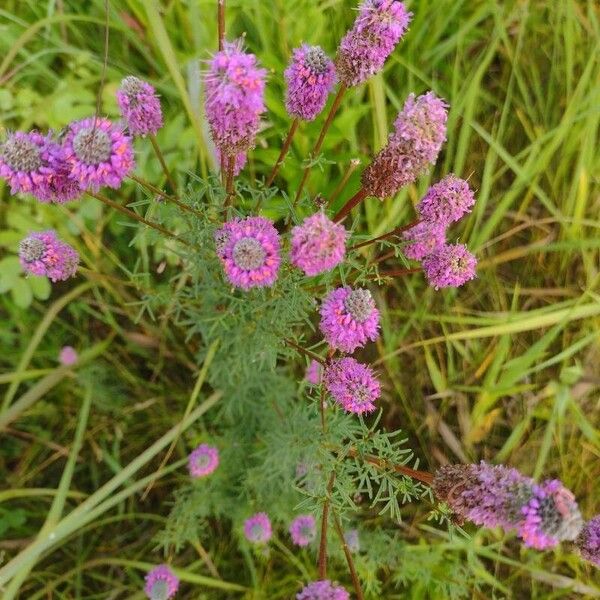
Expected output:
(303, 530)
(42, 253)
(235, 87)
(364, 49)
(161, 583)
(140, 106)
(452, 265)
(257, 529)
(249, 250)
(203, 461)
(314, 372)
(352, 385)
(68, 356)
(423, 239)
(318, 244)
(310, 77)
(588, 541)
(99, 153)
(446, 201)
(349, 319)
(497, 496)
(323, 590)
(418, 136)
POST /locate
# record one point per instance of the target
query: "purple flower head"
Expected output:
(352, 385)
(42, 253)
(25, 164)
(241, 158)
(420, 131)
(303, 530)
(257, 528)
(424, 239)
(235, 88)
(99, 153)
(323, 590)
(447, 201)
(349, 319)
(318, 245)
(161, 583)
(61, 186)
(588, 541)
(352, 540)
(550, 516)
(140, 106)
(203, 460)
(249, 251)
(450, 266)
(68, 356)
(314, 373)
(310, 78)
(364, 49)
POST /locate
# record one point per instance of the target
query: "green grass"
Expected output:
(505, 369)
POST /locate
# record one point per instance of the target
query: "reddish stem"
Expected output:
(221, 22)
(322, 561)
(422, 476)
(230, 171)
(389, 234)
(348, 555)
(304, 351)
(284, 150)
(354, 201)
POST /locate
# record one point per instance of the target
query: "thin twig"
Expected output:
(389, 234)
(350, 204)
(305, 351)
(322, 560)
(284, 151)
(163, 164)
(230, 172)
(221, 22)
(315, 151)
(354, 164)
(348, 555)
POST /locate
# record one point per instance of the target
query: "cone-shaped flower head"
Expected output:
(25, 164)
(498, 496)
(323, 590)
(249, 251)
(318, 244)
(235, 88)
(588, 541)
(68, 356)
(42, 253)
(364, 49)
(140, 106)
(450, 266)
(161, 583)
(352, 385)
(62, 187)
(203, 460)
(310, 77)
(424, 239)
(349, 319)
(257, 528)
(420, 131)
(447, 201)
(99, 153)
(314, 372)
(303, 530)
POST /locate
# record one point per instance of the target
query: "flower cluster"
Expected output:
(497, 496)
(323, 590)
(68, 356)
(588, 541)
(42, 253)
(203, 461)
(352, 385)
(377, 30)
(235, 88)
(161, 583)
(310, 78)
(140, 106)
(303, 530)
(257, 528)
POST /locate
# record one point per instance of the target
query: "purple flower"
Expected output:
(420, 131)
(352, 540)
(303, 530)
(450, 266)
(323, 590)
(498, 496)
(161, 583)
(140, 106)
(424, 239)
(550, 516)
(588, 541)
(314, 372)
(203, 460)
(257, 528)
(249, 251)
(352, 385)
(42, 253)
(349, 319)
(364, 49)
(25, 164)
(99, 153)
(318, 245)
(241, 158)
(234, 98)
(68, 356)
(447, 201)
(61, 186)
(310, 78)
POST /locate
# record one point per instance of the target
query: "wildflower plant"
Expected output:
(282, 309)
